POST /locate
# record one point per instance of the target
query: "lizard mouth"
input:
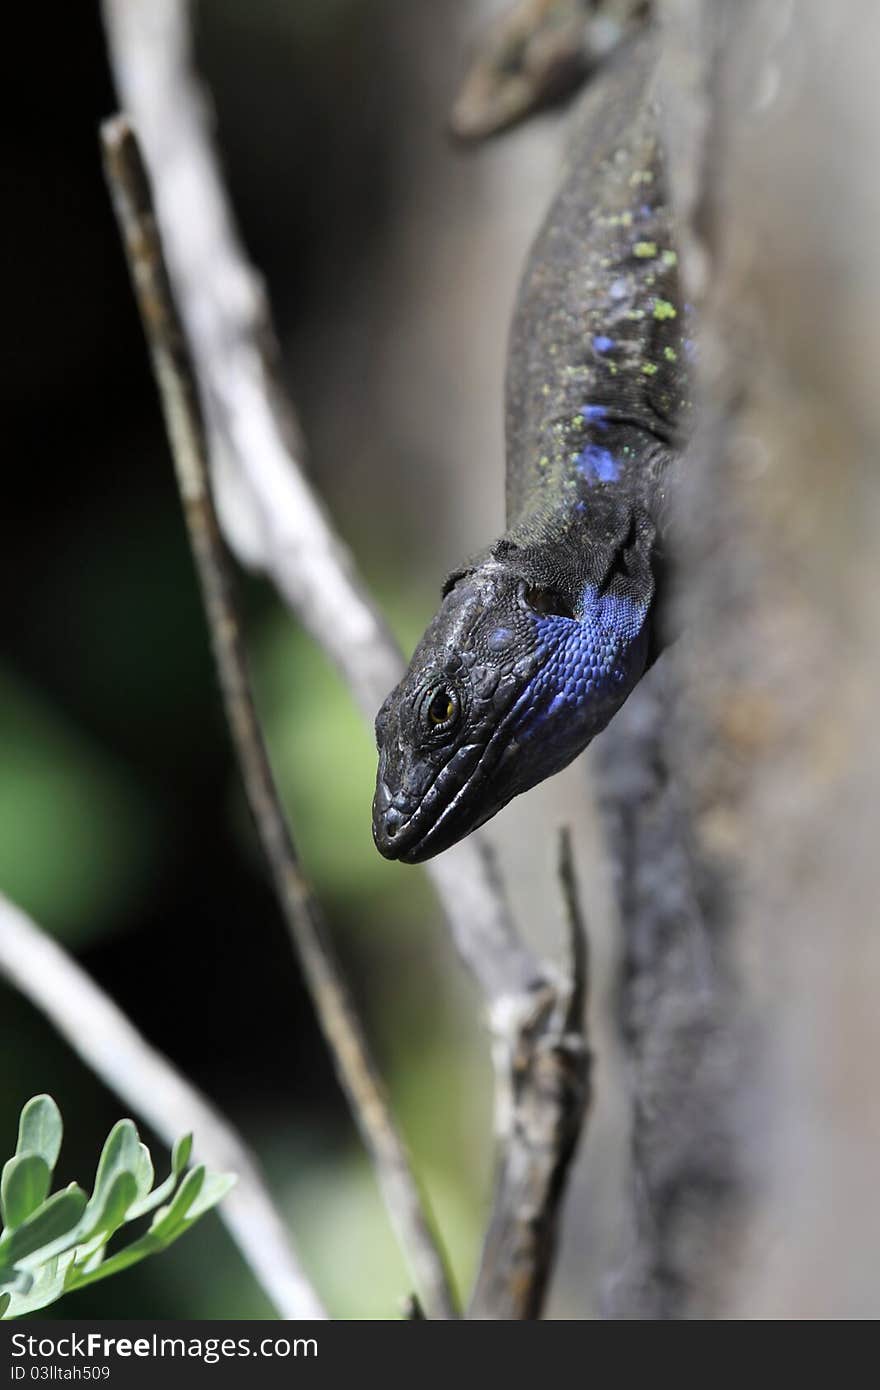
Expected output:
(446, 811)
(405, 836)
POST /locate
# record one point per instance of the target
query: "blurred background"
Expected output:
(391, 259)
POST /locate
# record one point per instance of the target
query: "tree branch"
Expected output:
(678, 998)
(272, 520)
(675, 1007)
(354, 1065)
(544, 1090)
(274, 523)
(102, 1036)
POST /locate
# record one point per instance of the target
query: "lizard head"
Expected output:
(525, 662)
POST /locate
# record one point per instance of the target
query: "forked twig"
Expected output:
(256, 452)
(357, 1072)
(546, 1082)
(269, 514)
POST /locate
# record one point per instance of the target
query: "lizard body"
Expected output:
(540, 639)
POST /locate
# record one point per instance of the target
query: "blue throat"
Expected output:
(587, 662)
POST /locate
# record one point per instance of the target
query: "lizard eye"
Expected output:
(440, 708)
(545, 601)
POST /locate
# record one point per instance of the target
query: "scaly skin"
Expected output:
(540, 639)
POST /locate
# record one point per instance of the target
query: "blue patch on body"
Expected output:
(598, 465)
(588, 665)
(596, 415)
(602, 343)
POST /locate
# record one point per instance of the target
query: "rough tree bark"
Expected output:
(748, 884)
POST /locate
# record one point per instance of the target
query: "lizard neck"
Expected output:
(539, 640)
(591, 542)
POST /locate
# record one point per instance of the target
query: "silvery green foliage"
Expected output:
(52, 1244)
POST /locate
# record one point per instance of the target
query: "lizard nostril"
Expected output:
(393, 819)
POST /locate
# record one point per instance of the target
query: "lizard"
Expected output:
(535, 55)
(541, 637)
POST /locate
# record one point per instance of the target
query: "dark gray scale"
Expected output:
(540, 639)
(597, 381)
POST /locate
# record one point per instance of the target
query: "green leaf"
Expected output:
(144, 1171)
(54, 1219)
(47, 1285)
(94, 1261)
(153, 1199)
(179, 1159)
(103, 1217)
(53, 1244)
(214, 1189)
(40, 1129)
(149, 1244)
(24, 1186)
(16, 1280)
(168, 1219)
(181, 1153)
(121, 1154)
(200, 1191)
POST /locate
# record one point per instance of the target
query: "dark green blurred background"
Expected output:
(122, 826)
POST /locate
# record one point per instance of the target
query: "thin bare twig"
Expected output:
(274, 523)
(145, 1080)
(270, 516)
(578, 964)
(546, 1095)
(357, 1072)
